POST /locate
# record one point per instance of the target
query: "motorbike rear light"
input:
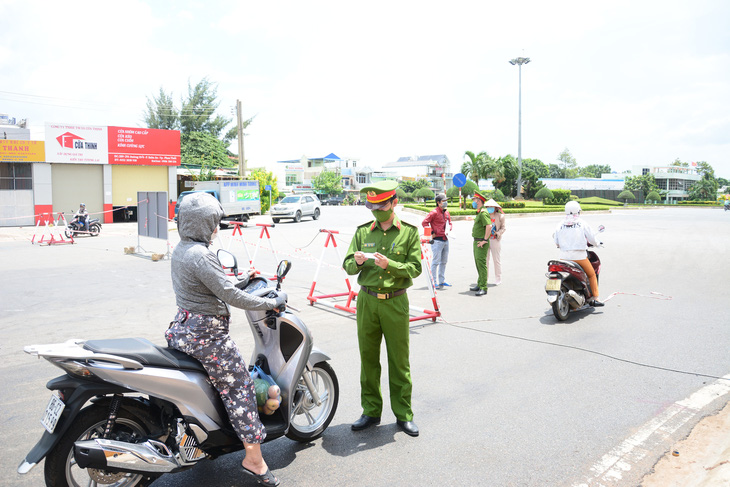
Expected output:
(555, 268)
(73, 367)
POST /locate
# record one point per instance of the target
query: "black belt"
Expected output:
(443, 239)
(383, 295)
(481, 239)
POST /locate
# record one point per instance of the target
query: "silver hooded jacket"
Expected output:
(200, 284)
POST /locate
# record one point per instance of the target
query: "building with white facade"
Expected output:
(436, 169)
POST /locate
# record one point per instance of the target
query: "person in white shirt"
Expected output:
(572, 238)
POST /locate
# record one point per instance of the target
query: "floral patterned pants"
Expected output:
(205, 338)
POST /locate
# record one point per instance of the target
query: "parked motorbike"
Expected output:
(75, 227)
(151, 410)
(567, 286)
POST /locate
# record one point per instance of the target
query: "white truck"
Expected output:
(239, 198)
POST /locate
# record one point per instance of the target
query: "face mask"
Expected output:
(490, 210)
(444, 205)
(382, 215)
(474, 204)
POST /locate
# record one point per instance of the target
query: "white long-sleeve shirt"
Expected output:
(572, 238)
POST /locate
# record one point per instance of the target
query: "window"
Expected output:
(14, 175)
(362, 178)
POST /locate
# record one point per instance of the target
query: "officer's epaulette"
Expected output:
(408, 224)
(366, 224)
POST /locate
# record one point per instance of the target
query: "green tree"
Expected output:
(265, 178)
(452, 192)
(202, 149)
(653, 197)
(540, 169)
(510, 171)
(328, 182)
(645, 182)
(568, 164)
(469, 188)
(198, 110)
(626, 195)
(475, 167)
(411, 186)
(555, 172)
(424, 193)
(679, 163)
(544, 194)
(161, 112)
(594, 170)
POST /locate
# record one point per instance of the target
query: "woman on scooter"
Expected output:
(200, 328)
(572, 238)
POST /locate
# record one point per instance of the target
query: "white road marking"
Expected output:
(610, 469)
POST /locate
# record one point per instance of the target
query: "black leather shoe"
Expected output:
(595, 303)
(475, 287)
(364, 422)
(481, 292)
(409, 427)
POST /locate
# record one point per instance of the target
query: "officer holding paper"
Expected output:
(386, 255)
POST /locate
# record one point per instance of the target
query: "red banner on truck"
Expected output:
(142, 146)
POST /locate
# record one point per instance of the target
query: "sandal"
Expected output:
(267, 478)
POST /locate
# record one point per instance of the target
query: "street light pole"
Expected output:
(519, 62)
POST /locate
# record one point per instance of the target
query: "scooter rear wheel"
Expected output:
(60, 466)
(561, 308)
(308, 421)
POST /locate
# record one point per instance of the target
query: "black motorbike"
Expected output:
(76, 227)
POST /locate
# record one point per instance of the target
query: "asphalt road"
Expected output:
(504, 394)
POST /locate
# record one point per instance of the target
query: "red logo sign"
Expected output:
(69, 140)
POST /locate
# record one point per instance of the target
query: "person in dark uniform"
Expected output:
(386, 253)
(481, 231)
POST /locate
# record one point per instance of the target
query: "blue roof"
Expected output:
(330, 157)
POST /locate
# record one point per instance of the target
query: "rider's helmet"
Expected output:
(440, 197)
(572, 208)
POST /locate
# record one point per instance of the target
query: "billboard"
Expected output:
(76, 144)
(142, 146)
(85, 144)
(22, 151)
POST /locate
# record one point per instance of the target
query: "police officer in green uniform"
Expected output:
(386, 253)
(481, 231)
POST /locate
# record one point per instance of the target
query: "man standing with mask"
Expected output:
(481, 231)
(439, 220)
(386, 253)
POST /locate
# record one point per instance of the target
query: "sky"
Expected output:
(620, 83)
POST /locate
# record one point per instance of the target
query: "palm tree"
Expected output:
(474, 167)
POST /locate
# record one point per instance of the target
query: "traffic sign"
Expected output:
(459, 180)
(267, 187)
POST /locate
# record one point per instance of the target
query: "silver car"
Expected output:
(295, 207)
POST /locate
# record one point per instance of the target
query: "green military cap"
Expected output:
(477, 194)
(379, 194)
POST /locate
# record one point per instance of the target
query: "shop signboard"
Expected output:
(143, 146)
(85, 144)
(22, 151)
(76, 144)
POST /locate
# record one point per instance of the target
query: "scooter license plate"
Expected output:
(552, 285)
(53, 413)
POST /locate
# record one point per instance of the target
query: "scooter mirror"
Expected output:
(228, 260)
(283, 269)
(601, 228)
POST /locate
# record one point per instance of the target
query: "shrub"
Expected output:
(626, 195)
(653, 197)
(560, 197)
(595, 200)
(544, 194)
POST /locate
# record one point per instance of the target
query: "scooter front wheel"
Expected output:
(308, 420)
(561, 307)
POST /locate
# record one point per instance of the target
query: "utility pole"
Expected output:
(241, 158)
(519, 62)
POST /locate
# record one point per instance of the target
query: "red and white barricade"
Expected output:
(350, 293)
(238, 235)
(350, 305)
(55, 230)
